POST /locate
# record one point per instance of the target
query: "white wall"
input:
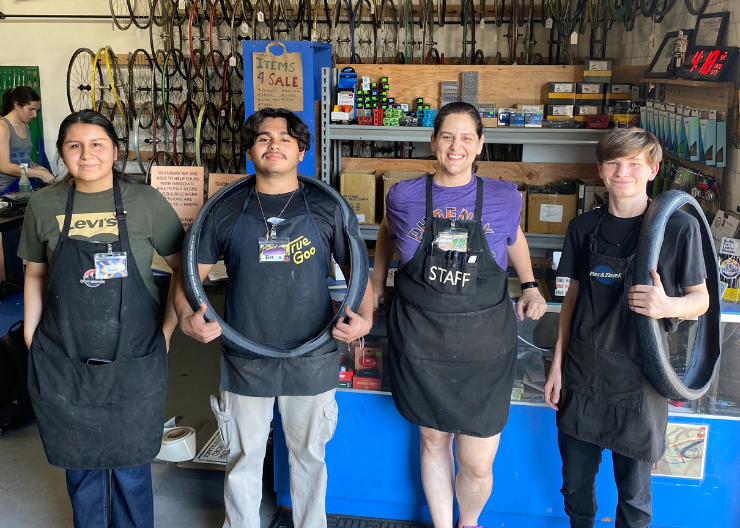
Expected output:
(634, 49)
(50, 43)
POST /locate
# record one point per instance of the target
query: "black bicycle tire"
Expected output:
(520, 12)
(69, 74)
(441, 12)
(133, 85)
(136, 19)
(478, 57)
(650, 333)
(696, 11)
(123, 26)
(667, 8)
(647, 7)
(469, 20)
(432, 57)
(544, 12)
(359, 11)
(266, 16)
(196, 294)
(500, 8)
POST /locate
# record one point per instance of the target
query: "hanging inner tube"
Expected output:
(651, 335)
(196, 294)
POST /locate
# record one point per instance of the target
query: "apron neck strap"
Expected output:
(430, 180)
(478, 198)
(120, 217)
(68, 212)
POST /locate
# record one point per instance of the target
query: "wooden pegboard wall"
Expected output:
(711, 97)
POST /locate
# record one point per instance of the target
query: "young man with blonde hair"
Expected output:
(596, 383)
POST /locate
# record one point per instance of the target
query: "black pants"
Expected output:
(581, 464)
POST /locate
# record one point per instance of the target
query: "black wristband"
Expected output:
(527, 285)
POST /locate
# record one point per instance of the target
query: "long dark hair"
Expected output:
(297, 129)
(91, 117)
(22, 95)
(462, 108)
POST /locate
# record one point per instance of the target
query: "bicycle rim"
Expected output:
(121, 13)
(80, 80)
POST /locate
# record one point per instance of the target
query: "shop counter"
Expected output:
(373, 459)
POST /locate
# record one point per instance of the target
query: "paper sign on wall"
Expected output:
(183, 188)
(277, 79)
(216, 181)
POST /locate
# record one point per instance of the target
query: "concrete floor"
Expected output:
(34, 494)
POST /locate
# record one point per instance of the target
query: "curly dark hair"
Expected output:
(297, 129)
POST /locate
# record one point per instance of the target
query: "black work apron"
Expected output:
(452, 333)
(97, 416)
(605, 398)
(281, 304)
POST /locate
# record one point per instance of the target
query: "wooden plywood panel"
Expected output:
(531, 173)
(709, 97)
(501, 84)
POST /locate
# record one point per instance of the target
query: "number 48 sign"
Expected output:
(277, 79)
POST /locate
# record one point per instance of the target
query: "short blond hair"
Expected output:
(629, 143)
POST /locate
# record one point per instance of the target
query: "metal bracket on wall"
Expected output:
(325, 119)
(3, 16)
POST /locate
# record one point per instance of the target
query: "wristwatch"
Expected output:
(527, 285)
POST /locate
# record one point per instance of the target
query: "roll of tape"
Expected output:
(178, 443)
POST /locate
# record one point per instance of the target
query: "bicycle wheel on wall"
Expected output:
(342, 41)
(121, 13)
(79, 80)
(426, 21)
(468, 32)
(141, 12)
(321, 21)
(364, 33)
(262, 20)
(407, 25)
(140, 80)
(388, 35)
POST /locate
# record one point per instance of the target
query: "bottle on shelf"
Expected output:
(24, 185)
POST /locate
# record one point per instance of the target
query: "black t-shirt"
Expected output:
(681, 261)
(215, 235)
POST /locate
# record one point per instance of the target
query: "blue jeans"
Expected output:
(115, 498)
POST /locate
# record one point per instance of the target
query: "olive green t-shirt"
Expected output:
(151, 221)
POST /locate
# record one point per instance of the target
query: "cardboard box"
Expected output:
(550, 213)
(391, 177)
(725, 225)
(522, 188)
(591, 194)
(358, 188)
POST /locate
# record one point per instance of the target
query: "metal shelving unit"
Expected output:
(533, 138)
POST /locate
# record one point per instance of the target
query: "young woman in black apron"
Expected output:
(98, 361)
(598, 388)
(451, 325)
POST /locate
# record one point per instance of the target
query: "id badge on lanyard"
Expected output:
(111, 265)
(274, 249)
(453, 239)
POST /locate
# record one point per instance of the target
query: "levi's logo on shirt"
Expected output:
(89, 225)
